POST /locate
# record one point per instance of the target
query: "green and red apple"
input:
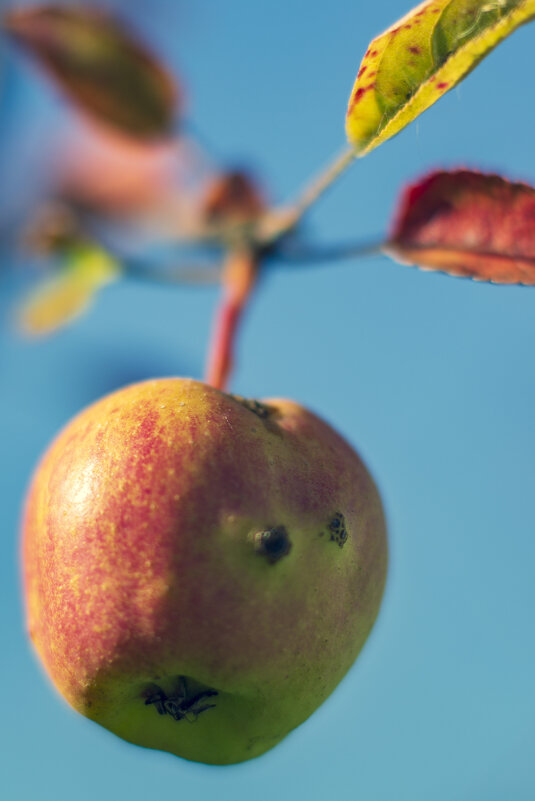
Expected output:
(201, 570)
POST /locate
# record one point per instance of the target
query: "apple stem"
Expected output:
(239, 277)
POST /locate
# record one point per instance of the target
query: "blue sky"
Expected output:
(430, 377)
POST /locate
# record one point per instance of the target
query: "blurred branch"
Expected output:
(202, 273)
(304, 253)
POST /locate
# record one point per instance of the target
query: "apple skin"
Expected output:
(159, 606)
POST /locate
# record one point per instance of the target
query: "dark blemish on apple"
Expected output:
(414, 49)
(182, 704)
(157, 697)
(262, 410)
(442, 85)
(272, 544)
(337, 529)
(268, 414)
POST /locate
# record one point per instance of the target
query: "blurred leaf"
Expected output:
(105, 71)
(412, 64)
(112, 175)
(232, 197)
(64, 297)
(468, 224)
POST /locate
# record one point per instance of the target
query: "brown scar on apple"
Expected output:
(273, 543)
(336, 529)
(182, 704)
(262, 410)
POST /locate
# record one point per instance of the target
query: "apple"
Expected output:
(200, 570)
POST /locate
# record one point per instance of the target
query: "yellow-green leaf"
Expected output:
(417, 60)
(60, 299)
(102, 68)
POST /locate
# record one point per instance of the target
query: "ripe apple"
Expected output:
(200, 570)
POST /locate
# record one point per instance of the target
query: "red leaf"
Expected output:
(468, 224)
(103, 69)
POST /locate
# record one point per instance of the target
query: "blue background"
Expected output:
(430, 377)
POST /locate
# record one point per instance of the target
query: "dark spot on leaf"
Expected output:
(359, 94)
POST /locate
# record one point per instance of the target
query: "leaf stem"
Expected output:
(209, 272)
(292, 254)
(281, 221)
